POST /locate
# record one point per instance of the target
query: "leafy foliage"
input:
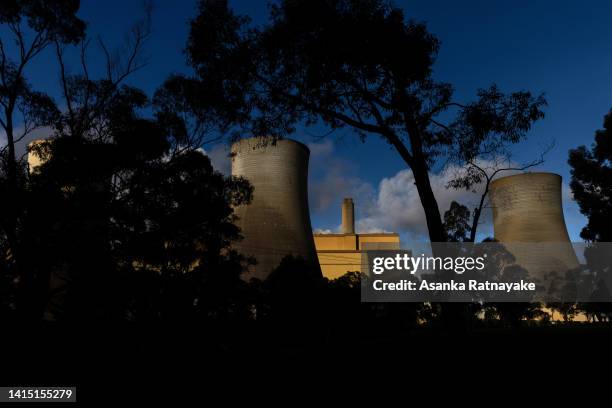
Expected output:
(457, 222)
(123, 206)
(591, 183)
(28, 28)
(347, 63)
(51, 19)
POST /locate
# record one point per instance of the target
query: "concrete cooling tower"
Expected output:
(277, 222)
(527, 209)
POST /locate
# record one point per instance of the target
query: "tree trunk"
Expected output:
(11, 220)
(478, 212)
(11, 165)
(429, 202)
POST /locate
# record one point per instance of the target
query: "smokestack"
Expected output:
(277, 222)
(348, 216)
(527, 208)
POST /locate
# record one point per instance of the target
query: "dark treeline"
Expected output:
(126, 220)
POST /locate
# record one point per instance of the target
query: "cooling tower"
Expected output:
(527, 209)
(277, 222)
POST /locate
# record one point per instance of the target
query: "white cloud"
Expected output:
(392, 206)
(398, 206)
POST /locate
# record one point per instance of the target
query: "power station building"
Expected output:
(277, 221)
(342, 253)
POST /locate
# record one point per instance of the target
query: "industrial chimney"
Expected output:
(527, 209)
(348, 216)
(277, 222)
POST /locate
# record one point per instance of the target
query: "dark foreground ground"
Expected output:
(108, 364)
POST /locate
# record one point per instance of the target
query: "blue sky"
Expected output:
(561, 48)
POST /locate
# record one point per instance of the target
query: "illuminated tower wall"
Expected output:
(527, 208)
(33, 159)
(277, 222)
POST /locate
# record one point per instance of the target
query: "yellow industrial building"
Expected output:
(342, 253)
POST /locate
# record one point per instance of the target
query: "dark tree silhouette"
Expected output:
(33, 26)
(501, 267)
(592, 183)
(128, 220)
(456, 222)
(124, 218)
(591, 186)
(347, 63)
(28, 28)
(124, 227)
(294, 290)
